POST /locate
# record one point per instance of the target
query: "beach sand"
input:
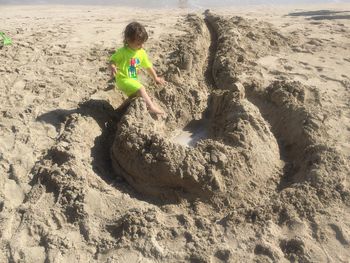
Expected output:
(249, 165)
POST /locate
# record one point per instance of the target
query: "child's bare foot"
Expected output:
(156, 110)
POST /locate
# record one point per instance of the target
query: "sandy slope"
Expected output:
(266, 93)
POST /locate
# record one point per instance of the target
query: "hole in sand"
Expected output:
(193, 132)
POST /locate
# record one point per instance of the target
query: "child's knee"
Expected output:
(141, 91)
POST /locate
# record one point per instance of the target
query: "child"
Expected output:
(126, 61)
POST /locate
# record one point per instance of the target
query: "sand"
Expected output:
(250, 163)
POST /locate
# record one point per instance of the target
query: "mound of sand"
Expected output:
(239, 150)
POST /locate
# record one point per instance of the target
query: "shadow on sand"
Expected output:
(323, 15)
(107, 118)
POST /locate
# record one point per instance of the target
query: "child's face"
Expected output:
(135, 44)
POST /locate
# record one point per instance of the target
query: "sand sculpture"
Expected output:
(239, 154)
(239, 148)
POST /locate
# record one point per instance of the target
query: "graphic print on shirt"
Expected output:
(132, 70)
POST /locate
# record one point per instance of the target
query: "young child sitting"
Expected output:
(126, 61)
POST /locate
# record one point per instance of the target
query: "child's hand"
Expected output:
(160, 80)
(113, 70)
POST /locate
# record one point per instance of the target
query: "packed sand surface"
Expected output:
(249, 164)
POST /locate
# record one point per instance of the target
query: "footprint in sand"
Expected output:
(340, 235)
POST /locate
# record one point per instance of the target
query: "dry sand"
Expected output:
(250, 164)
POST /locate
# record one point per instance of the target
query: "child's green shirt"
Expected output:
(129, 61)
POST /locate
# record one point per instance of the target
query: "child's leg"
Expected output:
(125, 104)
(150, 104)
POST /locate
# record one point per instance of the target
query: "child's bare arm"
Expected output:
(154, 75)
(113, 69)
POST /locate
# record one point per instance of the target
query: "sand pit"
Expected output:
(250, 164)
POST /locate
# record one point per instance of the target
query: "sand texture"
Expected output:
(250, 163)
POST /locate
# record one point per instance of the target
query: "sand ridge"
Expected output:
(87, 182)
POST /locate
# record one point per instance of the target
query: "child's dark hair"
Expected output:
(135, 32)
